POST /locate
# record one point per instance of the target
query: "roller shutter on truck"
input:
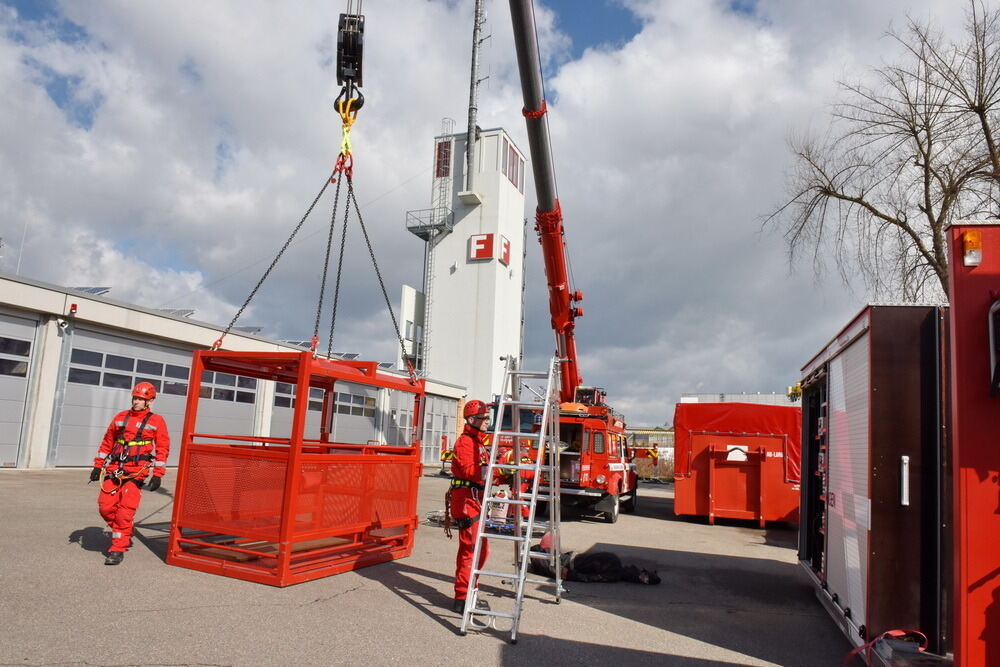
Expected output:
(872, 449)
(847, 495)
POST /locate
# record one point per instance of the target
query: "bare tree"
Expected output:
(904, 156)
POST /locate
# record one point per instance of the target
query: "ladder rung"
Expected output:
(524, 435)
(526, 404)
(540, 555)
(499, 575)
(530, 374)
(504, 500)
(514, 466)
(498, 536)
(483, 612)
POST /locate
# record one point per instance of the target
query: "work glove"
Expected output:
(95, 474)
(154, 484)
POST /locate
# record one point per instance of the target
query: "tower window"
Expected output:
(442, 160)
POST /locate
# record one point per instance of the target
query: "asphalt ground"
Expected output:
(731, 594)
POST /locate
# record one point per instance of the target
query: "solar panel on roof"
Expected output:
(177, 312)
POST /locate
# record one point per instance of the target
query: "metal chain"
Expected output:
(326, 264)
(288, 242)
(402, 347)
(340, 267)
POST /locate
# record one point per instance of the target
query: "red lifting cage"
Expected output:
(737, 461)
(283, 510)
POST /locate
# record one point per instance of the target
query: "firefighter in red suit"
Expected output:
(465, 496)
(135, 446)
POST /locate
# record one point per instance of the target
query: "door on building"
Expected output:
(16, 337)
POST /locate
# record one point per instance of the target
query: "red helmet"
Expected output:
(144, 390)
(475, 408)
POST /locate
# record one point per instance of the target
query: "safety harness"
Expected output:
(465, 522)
(120, 454)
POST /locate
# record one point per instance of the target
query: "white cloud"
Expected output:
(216, 129)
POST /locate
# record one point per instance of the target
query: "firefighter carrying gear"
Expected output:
(464, 503)
(135, 444)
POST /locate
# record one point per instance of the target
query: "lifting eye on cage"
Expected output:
(994, 331)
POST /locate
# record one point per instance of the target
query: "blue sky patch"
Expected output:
(65, 91)
(189, 70)
(224, 155)
(745, 7)
(46, 13)
(223, 160)
(593, 23)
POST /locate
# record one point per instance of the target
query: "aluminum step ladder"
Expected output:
(537, 393)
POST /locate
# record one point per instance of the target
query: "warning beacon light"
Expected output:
(972, 247)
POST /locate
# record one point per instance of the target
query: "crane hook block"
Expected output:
(350, 44)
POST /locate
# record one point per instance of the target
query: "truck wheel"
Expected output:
(611, 516)
(632, 503)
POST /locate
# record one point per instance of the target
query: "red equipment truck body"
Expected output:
(737, 461)
(974, 321)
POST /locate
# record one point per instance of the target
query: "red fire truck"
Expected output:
(596, 469)
(597, 473)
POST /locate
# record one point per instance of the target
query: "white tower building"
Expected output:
(470, 311)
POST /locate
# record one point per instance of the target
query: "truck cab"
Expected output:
(596, 472)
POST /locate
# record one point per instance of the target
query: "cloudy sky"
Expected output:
(167, 149)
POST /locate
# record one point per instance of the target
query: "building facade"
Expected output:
(469, 311)
(68, 361)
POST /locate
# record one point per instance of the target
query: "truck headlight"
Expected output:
(601, 479)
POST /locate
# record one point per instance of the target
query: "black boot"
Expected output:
(114, 558)
(458, 606)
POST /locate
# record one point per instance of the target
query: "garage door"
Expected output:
(16, 336)
(102, 371)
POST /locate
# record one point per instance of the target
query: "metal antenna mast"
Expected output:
(470, 141)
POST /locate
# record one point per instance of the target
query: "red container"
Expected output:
(737, 461)
(285, 508)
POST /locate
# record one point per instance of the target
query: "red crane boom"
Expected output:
(548, 217)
